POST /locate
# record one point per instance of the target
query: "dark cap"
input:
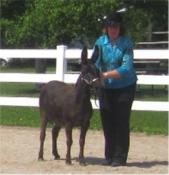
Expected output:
(113, 19)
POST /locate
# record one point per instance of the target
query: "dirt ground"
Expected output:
(19, 151)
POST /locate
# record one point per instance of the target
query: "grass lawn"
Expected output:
(18, 90)
(141, 121)
(25, 69)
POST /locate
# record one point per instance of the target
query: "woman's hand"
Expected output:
(111, 74)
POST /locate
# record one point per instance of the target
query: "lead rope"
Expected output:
(95, 100)
(102, 81)
(97, 90)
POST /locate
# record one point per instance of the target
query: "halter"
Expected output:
(88, 80)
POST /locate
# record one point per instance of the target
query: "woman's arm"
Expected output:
(126, 66)
(111, 74)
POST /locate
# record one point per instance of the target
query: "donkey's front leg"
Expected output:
(82, 143)
(69, 144)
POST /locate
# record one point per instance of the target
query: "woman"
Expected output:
(116, 97)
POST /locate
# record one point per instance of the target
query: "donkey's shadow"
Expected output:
(144, 164)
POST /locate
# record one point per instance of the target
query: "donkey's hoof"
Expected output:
(82, 162)
(56, 157)
(40, 159)
(68, 162)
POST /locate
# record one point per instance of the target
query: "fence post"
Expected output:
(61, 62)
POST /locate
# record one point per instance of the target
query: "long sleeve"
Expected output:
(116, 56)
(127, 60)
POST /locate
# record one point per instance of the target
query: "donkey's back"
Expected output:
(52, 100)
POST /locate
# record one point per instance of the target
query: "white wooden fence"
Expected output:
(61, 54)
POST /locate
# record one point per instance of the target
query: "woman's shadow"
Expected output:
(144, 164)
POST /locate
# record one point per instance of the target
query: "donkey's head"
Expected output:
(90, 75)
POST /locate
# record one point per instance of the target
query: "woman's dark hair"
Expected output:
(114, 19)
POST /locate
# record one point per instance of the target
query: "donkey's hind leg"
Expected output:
(42, 134)
(55, 132)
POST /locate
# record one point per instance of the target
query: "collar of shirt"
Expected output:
(107, 40)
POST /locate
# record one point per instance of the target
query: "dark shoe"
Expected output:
(118, 163)
(107, 162)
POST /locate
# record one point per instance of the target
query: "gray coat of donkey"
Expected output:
(69, 106)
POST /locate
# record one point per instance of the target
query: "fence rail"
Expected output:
(75, 53)
(71, 78)
(61, 54)
(33, 102)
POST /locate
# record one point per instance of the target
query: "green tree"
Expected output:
(145, 16)
(10, 13)
(47, 23)
(53, 22)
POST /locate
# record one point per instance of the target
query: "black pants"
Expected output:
(115, 108)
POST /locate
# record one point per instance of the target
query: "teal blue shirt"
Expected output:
(116, 56)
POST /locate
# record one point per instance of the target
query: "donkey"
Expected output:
(69, 106)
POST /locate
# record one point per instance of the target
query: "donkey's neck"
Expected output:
(82, 92)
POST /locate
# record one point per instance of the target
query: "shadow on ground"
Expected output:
(144, 164)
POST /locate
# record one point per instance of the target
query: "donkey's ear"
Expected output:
(84, 55)
(95, 54)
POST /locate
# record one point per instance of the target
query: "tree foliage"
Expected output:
(47, 23)
(53, 22)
